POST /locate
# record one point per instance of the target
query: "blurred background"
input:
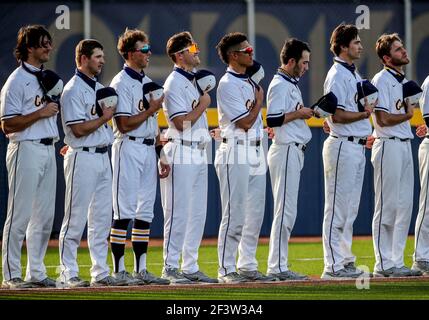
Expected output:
(268, 24)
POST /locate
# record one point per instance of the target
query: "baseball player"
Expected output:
(134, 159)
(30, 123)
(87, 170)
(421, 246)
(184, 191)
(240, 163)
(392, 161)
(286, 114)
(343, 155)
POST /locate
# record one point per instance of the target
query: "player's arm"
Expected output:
(247, 122)
(182, 121)
(87, 127)
(343, 116)
(302, 113)
(385, 119)
(129, 123)
(22, 122)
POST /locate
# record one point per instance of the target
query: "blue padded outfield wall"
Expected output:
(312, 21)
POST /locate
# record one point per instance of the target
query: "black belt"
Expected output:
(198, 144)
(353, 139)
(47, 141)
(97, 149)
(148, 142)
(255, 143)
(400, 139)
(301, 146)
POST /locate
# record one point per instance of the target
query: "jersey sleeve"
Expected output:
(424, 100)
(383, 95)
(174, 102)
(125, 100)
(73, 109)
(11, 102)
(229, 101)
(336, 85)
(276, 101)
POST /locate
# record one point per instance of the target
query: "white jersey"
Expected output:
(390, 100)
(22, 95)
(235, 97)
(78, 106)
(424, 100)
(181, 97)
(342, 81)
(283, 97)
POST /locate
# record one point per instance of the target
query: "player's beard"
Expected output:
(400, 62)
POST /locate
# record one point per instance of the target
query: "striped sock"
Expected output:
(140, 240)
(118, 236)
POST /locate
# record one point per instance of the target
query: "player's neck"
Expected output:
(34, 62)
(185, 67)
(133, 66)
(346, 58)
(237, 68)
(287, 70)
(86, 72)
(398, 69)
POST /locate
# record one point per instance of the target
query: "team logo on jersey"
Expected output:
(249, 104)
(140, 106)
(399, 104)
(38, 101)
(194, 104)
(93, 110)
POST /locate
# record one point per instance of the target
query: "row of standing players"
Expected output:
(93, 187)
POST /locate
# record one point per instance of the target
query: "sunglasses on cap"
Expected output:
(145, 49)
(193, 48)
(247, 50)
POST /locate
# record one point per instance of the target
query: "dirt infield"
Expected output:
(314, 280)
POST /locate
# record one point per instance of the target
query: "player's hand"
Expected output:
(107, 112)
(63, 150)
(155, 105)
(410, 108)
(164, 169)
(369, 107)
(50, 110)
(215, 134)
(259, 96)
(305, 113)
(205, 100)
(421, 131)
(369, 142)
(271, 133)
(326, 128)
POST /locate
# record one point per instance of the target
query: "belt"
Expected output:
(254, 143)
(357, 140)
(146, 141)
(200, 145)
(300, 146)
(46, 141)
(396, 138)
(95, 149)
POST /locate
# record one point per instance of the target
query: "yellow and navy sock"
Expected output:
(118, 236)
(140, 240)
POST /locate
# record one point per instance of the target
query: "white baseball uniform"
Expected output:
(392, 160)
(134, 161)
(421, 246)
(32, 177)
(184, 191)
(241, 167)
(88, 178)
(344, 167)
(285, 161)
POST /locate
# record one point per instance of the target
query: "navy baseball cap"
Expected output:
(51, 84)
(365, 89)
(412, 92)
(107, 96)
(154, 88)
(205, 80)
(255, 72)
(326, 105)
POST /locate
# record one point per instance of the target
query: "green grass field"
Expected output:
(305, 258)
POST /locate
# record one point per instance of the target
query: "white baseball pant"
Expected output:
(344, 168)
(393, 187)
(421, 246)
(32, 177)
(184, 201)
(285, 162)
(134, 180)
(88, 197)
(241, 170)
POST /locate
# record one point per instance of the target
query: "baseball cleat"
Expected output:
(288, 275)
(350, 267)
(124, 276)
(199, 277)
(148, 278)
(341, 274)
(76, 282)
(394, 272)
(45, 283)
(422, 266)
(232, 277)
(108, 281)
(255, 275)
(174, 276)
(16, 283)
